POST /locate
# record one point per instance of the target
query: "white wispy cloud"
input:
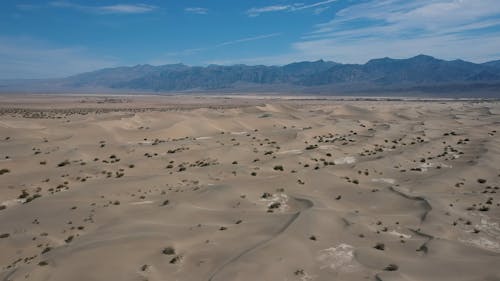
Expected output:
(247, 39)
(24, 57)
(196, 10)
(254, 12)
(360, 51)
(320, 10)
(107, 9)
(127, 9)
(401, 28)
(179, 55)
(302, 7)
(449, 29)
(427, 15)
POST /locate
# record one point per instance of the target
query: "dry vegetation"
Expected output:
(240, 189)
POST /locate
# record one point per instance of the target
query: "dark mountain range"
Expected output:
(495, 63)
(419, 74)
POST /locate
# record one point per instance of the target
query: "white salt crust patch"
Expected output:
(292, 151)
(483, 243)
(426, 166)
(13, 202)
(307, 277)
(490, 234)
(340, 258)
(399, 234)
(345, 160)
(384, 180)
(488, 227)
(142, 202)
(324, 147)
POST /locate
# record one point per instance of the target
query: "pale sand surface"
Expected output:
(217, 188)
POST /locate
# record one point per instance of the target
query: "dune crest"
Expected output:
(212, 188)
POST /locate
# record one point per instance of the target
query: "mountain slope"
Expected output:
(420, 73)
(495, 64)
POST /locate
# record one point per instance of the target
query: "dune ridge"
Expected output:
(198, 188)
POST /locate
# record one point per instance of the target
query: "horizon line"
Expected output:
(243, 64)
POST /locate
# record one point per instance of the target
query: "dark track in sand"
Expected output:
(8, 275)
(425, 203)
(305, 204)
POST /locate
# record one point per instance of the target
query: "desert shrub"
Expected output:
(63, 163)
(175, 259)
(391, 267)
(69, 239)
(46, 250)
(379, 246)
(168, 251)
(4, 171)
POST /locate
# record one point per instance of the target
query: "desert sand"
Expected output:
(228, 188)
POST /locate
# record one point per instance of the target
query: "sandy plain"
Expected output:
(228, 188)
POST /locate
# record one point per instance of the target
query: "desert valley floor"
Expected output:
(171, 188)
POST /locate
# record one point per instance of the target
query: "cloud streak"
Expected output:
(172, 56)
(106, 9)
(254, 12)
(401, 28)
(248, 39)
(449, 29)
(196, 10)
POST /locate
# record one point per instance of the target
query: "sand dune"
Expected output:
(171, 188)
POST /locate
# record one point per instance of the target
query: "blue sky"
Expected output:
(42, 39)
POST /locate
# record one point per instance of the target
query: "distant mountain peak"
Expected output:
(423, 57)
(380, 60)
(382, 74)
